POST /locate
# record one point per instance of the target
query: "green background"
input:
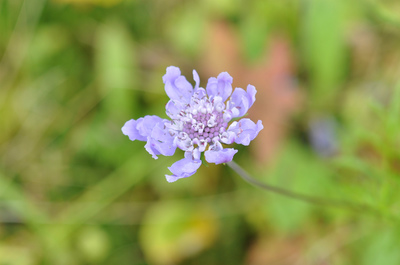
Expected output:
(75, 190)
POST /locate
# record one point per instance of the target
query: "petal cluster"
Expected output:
(200, 121)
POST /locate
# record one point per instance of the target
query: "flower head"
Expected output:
(200, 122)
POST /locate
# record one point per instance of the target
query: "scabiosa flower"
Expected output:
(199, 122)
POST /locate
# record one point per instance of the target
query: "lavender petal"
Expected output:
(221, 156)
(176, 85)
(242, 100)
(141, 128)
(220, 86)
(183, 168)
(246, 130)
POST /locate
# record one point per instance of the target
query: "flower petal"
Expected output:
(220, 86)
(246, 130)
(176, 85)
(146, 124)
(221, 156)
(251, 94)
(199, 93)
(242, 100)
(196, 78)
(160, 142)
(183, 142)
(173, 108)
(130, 130)
(151, 148)
(228, 137)
(141, 128)
(183, 168)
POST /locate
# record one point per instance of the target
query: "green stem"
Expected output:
(298, 196)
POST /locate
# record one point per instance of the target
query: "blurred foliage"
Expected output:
(74, 190)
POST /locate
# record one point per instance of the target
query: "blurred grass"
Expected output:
(74, 190)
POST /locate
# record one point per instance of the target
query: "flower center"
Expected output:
(205, 119)
(205, 126)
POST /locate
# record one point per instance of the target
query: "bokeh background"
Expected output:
(75, 190)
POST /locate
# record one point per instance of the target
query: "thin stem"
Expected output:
(295, 195)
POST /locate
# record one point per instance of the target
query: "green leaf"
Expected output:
(296, 171)
(254, 31)
(116, 68)
(382, 248)
(324, 48)
(186, 30)
(393, 116)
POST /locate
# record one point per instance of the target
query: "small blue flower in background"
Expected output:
(199, 119)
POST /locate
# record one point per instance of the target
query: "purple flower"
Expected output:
(199, 122)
